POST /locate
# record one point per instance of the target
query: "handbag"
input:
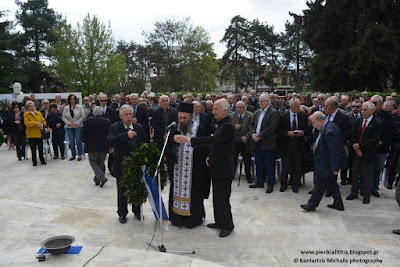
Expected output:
(45, 133)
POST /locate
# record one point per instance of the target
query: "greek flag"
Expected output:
(153, 197)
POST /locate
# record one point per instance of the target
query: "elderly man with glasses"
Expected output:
(45, 108)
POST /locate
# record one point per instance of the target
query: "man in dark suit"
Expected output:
(262, 129)
(352, 116)
(320, 105)
(201, 118)
(231, 101)
(124, 137)
(110, 114)
(339, 117)
(292, 128)
(140, 115)
(94, 134)
(384, 142)
(118, 103)
(220, 161)
(250, 108)
(174, 102)
(329, 158)
(366, 134)
(253, 101)
(161, 118)
(242, 118)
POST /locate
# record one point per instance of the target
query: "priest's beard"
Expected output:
(185, 127)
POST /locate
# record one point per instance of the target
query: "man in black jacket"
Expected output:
(110, 114)
(124, 137)
(292, 128)
(94, 134)
(384, 142)
(140, 115)
(220, 161)
(366, 134)
(161, 118)
(339, 117)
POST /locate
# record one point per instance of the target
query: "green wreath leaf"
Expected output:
(132, 179)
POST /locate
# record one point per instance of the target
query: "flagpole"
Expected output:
(160, 215)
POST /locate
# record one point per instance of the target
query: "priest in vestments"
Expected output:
(191, 181)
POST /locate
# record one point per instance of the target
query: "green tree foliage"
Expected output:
(252, 53)
(37, 21)
(296, 53)
(85, 57)
(138, 65)
(356, 43)
(181, 56)
(7, 59)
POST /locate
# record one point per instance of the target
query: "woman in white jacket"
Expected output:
(73, 117)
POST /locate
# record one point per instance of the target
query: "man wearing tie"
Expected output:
(291, 129)
(242, 118)
(262, 129)
(329, 158)
(366, 134)
(353, 115)
(124, 137)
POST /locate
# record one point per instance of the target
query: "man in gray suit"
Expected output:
(242, 118)
(263, 132)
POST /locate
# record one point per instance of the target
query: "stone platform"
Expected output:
(60, 198)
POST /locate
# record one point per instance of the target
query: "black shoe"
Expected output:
(295, 189)
(283, 189)
(376, 194)
(389, 186)
(335, 207)
(43, 162)
(73, 158)
(366, 200)
(256, 186)
(343, 182)
(79, 158)
(397, 232)
(361, 194)
(224, 233)
(213, 226)
(352, 196)
(122, 219)
(310, 192)
(249, 180)
(97, 182)
(138, 216)
(19, 158)
(269, 190)
(307, 207)
(102, 183)
(55, 157)
(327, 194)
(62, 157)
(34, 163)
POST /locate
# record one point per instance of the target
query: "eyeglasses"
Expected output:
(72, 98)
(320, 99)
(103, 100)
(356, 106)
(45, 103)
(127, 99)
(375, 103)
(85, 100)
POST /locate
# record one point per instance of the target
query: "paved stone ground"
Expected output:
(61, 198)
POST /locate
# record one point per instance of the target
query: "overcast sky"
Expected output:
(129, 18)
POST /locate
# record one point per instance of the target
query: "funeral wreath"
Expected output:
(132, 179)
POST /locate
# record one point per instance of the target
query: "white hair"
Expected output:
(291, 101)
(370, 105)
(318, 115)
(265, 96)
(378, 96)
(102, 95)
(225, 105)
(97, 111)
(124, 107)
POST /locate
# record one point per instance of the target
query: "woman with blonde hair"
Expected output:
(34, 123)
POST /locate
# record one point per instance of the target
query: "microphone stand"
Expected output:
(160, 216)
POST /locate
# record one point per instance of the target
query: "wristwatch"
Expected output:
(190, 140)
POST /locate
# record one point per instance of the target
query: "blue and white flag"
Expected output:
(153, 197)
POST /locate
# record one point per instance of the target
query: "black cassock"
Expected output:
(201, 181)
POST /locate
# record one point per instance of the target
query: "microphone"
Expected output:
(172, 125)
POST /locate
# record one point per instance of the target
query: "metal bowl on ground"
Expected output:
(57, 245)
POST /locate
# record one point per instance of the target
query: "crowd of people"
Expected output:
(364, 129)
